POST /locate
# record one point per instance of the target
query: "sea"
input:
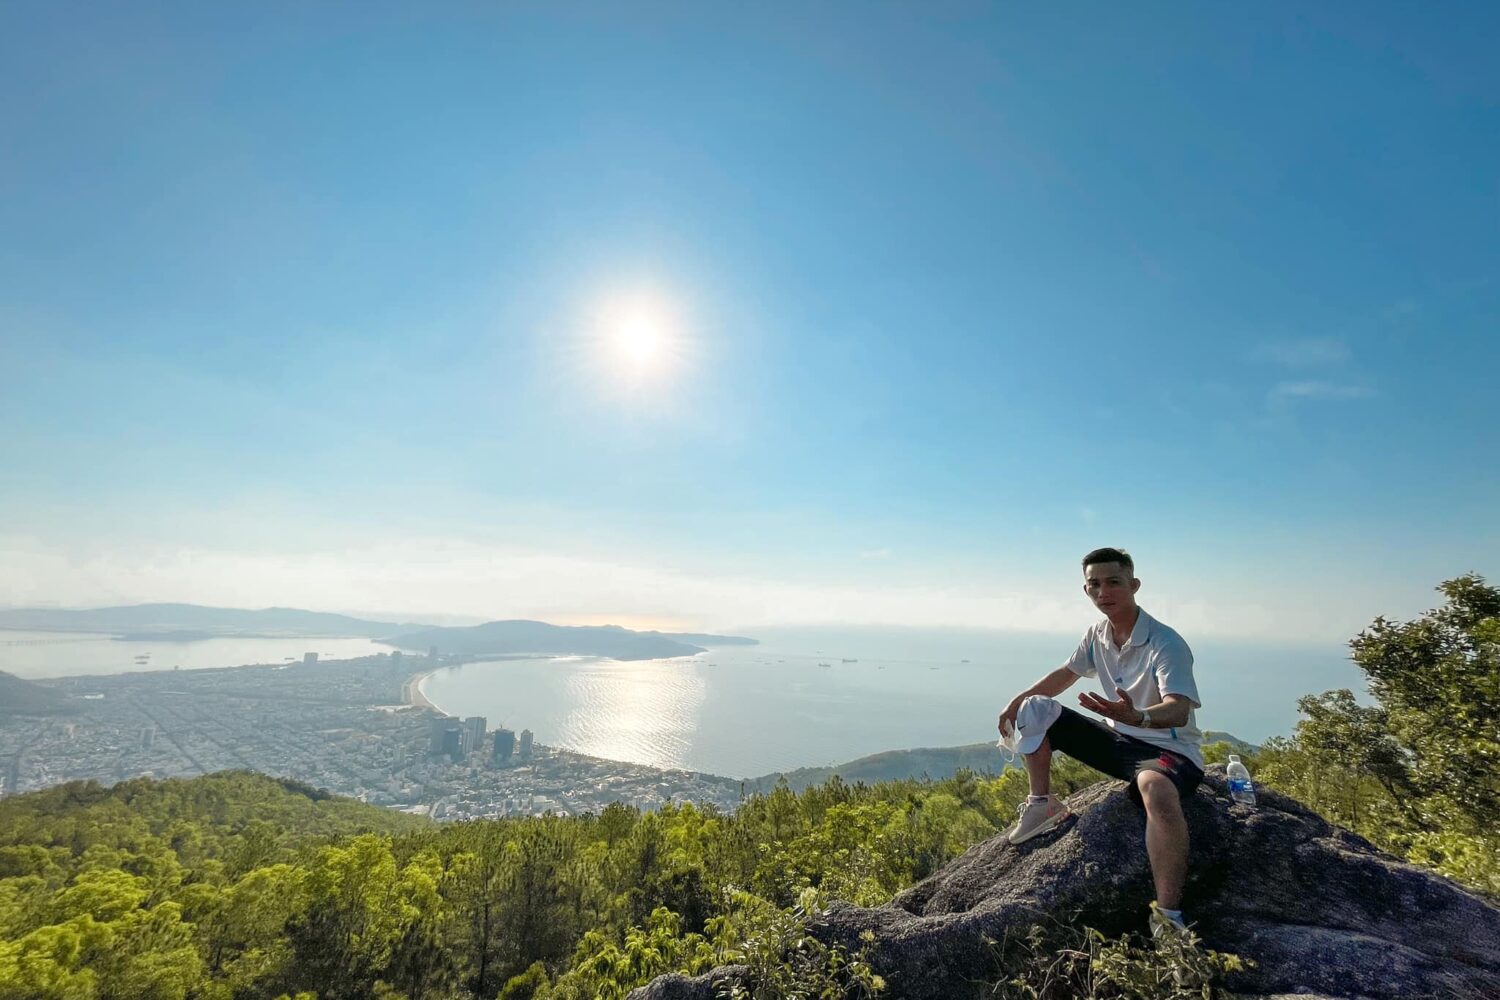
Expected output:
(801, 698)
(809, 698)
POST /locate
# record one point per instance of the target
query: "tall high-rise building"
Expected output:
(505, 745)
(475, 724)
(453, 742)
(432, 652)
(148, 737)
(396, 658)
(309, 659)
(437, 732)
(525, 744)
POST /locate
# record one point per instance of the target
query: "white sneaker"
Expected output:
(1164, 926)
(1036, 818)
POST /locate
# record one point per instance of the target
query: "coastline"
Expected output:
(412, 694)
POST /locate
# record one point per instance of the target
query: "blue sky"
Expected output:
(300, 304)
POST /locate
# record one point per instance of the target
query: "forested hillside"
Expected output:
(236, 885)
(21, 697)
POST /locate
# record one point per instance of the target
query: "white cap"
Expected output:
(1035, 717)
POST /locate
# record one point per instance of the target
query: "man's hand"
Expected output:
(1123, 710)
(1008, 717)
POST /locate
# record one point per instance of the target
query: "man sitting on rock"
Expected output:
(1151, 741)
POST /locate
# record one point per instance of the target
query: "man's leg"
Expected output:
(1082, 739)
(1166, 836)
(1040, 812)
(1039, 768)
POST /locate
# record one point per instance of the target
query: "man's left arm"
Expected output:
(1174, 679)
(1170, 712)
(1173, 666)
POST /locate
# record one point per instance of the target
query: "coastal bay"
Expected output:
(818, 699)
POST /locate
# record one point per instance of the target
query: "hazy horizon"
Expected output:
(805, 627)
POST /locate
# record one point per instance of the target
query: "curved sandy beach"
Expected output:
(412, 691)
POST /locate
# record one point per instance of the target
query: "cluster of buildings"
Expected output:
(342, 725)
(457, 739)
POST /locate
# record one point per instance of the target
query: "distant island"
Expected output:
(541, 639)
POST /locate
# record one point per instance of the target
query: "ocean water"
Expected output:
(63, 654)
(746, 711)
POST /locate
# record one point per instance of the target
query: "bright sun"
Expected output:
(640, 337)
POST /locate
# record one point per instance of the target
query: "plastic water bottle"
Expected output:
(1241, 788)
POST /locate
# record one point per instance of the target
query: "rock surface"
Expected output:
(1319, 910)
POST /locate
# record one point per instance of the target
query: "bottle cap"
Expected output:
(1234, 758)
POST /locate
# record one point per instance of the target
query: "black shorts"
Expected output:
(1120, 756)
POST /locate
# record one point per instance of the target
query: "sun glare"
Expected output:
(638, 338)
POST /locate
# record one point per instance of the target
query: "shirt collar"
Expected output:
(1138, 635)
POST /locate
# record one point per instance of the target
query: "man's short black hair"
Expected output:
(1110, 555)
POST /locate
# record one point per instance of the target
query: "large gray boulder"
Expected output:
(1319, 910)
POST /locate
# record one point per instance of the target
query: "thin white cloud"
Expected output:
(1309, 352)
(1320, 390)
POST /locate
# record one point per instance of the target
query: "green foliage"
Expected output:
(237, 886)
(229, 817)
(1438, 682)
(1418, 773)
(609, 970)
(527, 985)
(787, 963)
(1059, 962)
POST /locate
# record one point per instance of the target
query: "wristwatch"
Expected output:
(1145, 722)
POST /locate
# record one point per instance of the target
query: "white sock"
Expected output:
(1174, 914)
(1034, 799)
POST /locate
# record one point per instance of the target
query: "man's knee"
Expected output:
(1157, 792)
(1033, 720)
(1041, 709)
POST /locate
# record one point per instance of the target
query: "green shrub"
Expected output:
(1057, 962)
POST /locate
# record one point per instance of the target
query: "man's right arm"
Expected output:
(1050, 686)
(1053, 684)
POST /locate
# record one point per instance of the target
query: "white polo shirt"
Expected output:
(1153, 663)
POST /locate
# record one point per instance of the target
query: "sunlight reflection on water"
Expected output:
(747, 711)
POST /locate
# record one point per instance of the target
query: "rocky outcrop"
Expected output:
(1317, 909)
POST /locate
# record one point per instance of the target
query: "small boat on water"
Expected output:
(848, 660)
(825, 664)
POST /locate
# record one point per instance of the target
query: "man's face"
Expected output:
(1110, 586)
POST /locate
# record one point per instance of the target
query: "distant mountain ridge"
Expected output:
(189, 622)
(936, 763)
(542, 639)
(161, 618)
